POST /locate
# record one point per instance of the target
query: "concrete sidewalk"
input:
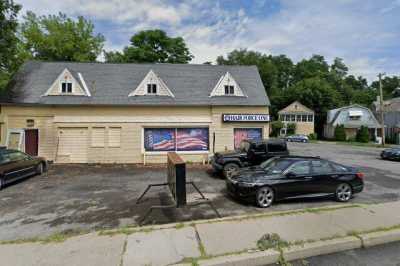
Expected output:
(228, 241)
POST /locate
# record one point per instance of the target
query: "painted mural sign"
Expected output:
(245, 118)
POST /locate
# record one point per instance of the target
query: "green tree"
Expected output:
(152, 46)
(389, 84)
(9, 43)
(316, 66)
(363, 134)
(340, 133)
(276, 127)
(291, 129)
(59, 38)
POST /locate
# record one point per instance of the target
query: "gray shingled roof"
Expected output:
(110, 84)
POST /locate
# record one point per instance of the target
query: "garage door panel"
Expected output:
(73, 145)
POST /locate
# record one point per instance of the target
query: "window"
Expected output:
(15, 156)
(66, 87)
(301, 168)
(98, 134)
(176, 139)
(321, 167)
(298, 118)
(229, 90)
(240, 134)
(339, 168)
(114, 137)
(293, 118)
(304, 118)
(310, 118)
(151, 88)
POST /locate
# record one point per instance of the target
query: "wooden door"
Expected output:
(32, 141)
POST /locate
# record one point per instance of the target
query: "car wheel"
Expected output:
(1, 183)
(265, 197)
(230, 168)
(39, 169)
(304, 140)
(343, 192)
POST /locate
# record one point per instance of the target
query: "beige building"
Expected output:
(132, 113)
(300, 115)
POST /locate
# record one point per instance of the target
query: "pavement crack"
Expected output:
(121, 262)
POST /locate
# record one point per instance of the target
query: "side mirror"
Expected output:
(290, 175)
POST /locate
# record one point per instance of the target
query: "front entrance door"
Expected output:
(31, 141)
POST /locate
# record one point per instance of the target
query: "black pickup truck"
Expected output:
(250, 153)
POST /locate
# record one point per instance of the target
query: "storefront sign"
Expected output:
(245, 118)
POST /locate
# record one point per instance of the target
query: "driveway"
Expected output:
(81, 197)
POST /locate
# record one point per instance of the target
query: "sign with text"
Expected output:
(245, 118)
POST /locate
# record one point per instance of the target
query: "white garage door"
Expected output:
(72, 145)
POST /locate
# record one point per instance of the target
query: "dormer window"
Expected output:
(151, 88)
(229, 90)
(66, 87)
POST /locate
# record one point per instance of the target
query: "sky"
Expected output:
(365, 33)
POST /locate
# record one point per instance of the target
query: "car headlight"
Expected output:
(246, 184)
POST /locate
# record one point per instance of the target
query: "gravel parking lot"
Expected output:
(80, 197)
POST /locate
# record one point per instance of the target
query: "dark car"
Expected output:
(297, 138)
(15, 165)
(250, 153)
(391, 154)
(295, 176)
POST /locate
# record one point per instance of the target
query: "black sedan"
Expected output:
(15, 165)
(391, 154)
(292, 177)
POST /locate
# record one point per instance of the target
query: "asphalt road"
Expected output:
(384, 255)
(81, 197)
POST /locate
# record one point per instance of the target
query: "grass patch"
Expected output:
(269, 241)
(54, 238)
(179, 226)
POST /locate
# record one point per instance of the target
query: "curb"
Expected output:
(306, 250)
(380, 237)
(262, 258)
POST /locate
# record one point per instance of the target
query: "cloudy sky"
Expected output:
(365, 33)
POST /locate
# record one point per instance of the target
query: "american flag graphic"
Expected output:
(246, 133)
(159, 139)
(192, 139)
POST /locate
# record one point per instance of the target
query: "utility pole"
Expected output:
(382, 108)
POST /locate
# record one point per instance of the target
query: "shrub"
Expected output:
(313, 136)
(362, 134)
(340, 133)
(291, 129)
(276, 128)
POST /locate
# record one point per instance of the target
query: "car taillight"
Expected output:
(360, 175)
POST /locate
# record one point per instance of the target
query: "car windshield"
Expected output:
(244, 146)
(275, 165)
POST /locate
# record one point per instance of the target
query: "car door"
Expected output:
(297, 180)
(324, 175)
(19, 165)
(276, 149)
(259, 153)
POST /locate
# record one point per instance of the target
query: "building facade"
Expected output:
(300, 115)
(132, 113)
(352, 118)
(391, 116)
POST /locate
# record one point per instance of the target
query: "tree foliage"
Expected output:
(60, 38)
(9, 43)
(313, 81)
(340, 133)
(363, 134)
(276, 127)
(152, 46)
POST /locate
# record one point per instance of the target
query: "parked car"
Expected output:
(297, 138)
(391, 154)
(15, 165)
(295, 176)
(250, 153)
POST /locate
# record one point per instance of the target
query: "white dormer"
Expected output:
(67, 84)
(227, 86)
(152, 85)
